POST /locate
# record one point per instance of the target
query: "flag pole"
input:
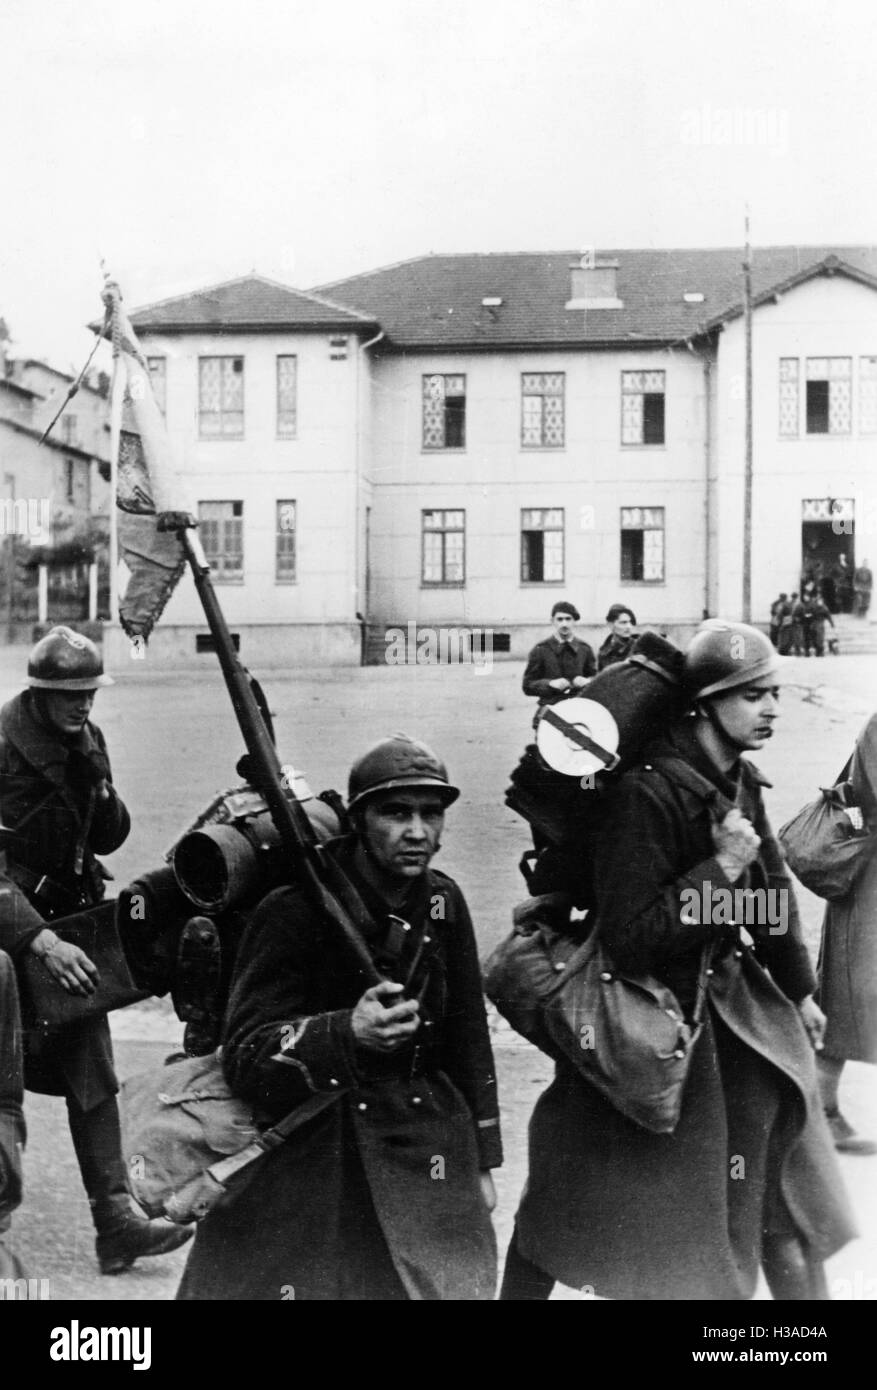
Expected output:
(747, 461)
(327, 886)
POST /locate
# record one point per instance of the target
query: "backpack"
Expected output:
(642, 696)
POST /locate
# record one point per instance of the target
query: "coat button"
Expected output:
(426, 940)
(416, 1100)
(647, 766)
(738, 955)
(606, 976)
(561, 965)
(710, 971)
(679, 1053)
(362, 1105)
(333, 1080)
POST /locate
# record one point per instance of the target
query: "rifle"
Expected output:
(327, 886)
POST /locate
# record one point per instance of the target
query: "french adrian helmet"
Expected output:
(722, 656)
(65, 660)
(399, 761)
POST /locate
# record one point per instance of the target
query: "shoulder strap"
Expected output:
(684, 775)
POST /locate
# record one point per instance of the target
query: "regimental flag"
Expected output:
(148, 486)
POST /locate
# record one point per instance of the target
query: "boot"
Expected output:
(131, 1237)
(123, 1235)
(792, 1276)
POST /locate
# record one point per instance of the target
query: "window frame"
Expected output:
(282, 433)
(543, 396)
(280, 531)
(828, 432)
(444, 530)
(642, 442)
(445, 448)
(221, 576)
(222, 436)
(642, 530)
(543, 531)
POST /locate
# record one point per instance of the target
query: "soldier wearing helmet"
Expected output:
(387, 1194)
(58, 801)
(691, 889)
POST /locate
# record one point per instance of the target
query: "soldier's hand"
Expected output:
(814, 1021)
(580, 682)
(70, 967)
(378, 1024)
(559, 683)
(736, 843)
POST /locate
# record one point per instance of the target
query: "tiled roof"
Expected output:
(250, 303)
(435, 301)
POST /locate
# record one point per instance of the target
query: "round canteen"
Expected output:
(563, 748)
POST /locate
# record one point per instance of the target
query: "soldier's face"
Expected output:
(747, 715)
(67, 710)
(622, 627)
(563, 625)
(402, 831)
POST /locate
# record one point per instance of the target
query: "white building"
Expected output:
(457, 441)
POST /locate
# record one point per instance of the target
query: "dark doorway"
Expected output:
(827, 559)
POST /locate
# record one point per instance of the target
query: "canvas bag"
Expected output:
(189, 1142)
(625, 1034)
(822, 845)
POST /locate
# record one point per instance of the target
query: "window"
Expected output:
(444, 412)
(284, 571)
(221, 526)
(542, 410)
(221, 397)
(789, 397)
(287, 387)
(829, 395)
(69, 478)
(868, 395)
(158, 376)
(642, 407)
(542, 545)
(444, 547)
(71, 428)
(642, 544)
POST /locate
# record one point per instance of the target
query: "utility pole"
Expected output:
(747, 461)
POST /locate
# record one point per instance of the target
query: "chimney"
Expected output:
(593, 284)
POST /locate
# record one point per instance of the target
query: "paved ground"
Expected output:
(174, 743)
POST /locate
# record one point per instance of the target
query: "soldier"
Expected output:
(57, 797)
(386, 1194)
(561, 665)
(618, 644)
(751, 1152)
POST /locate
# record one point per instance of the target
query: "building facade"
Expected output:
(457, 441)
(54, 499)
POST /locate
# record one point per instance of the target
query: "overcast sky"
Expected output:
(189, 142)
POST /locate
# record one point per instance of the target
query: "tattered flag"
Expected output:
(148, 487)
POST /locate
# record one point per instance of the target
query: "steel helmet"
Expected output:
(399, 761)
(65, 660)
(723, 656)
